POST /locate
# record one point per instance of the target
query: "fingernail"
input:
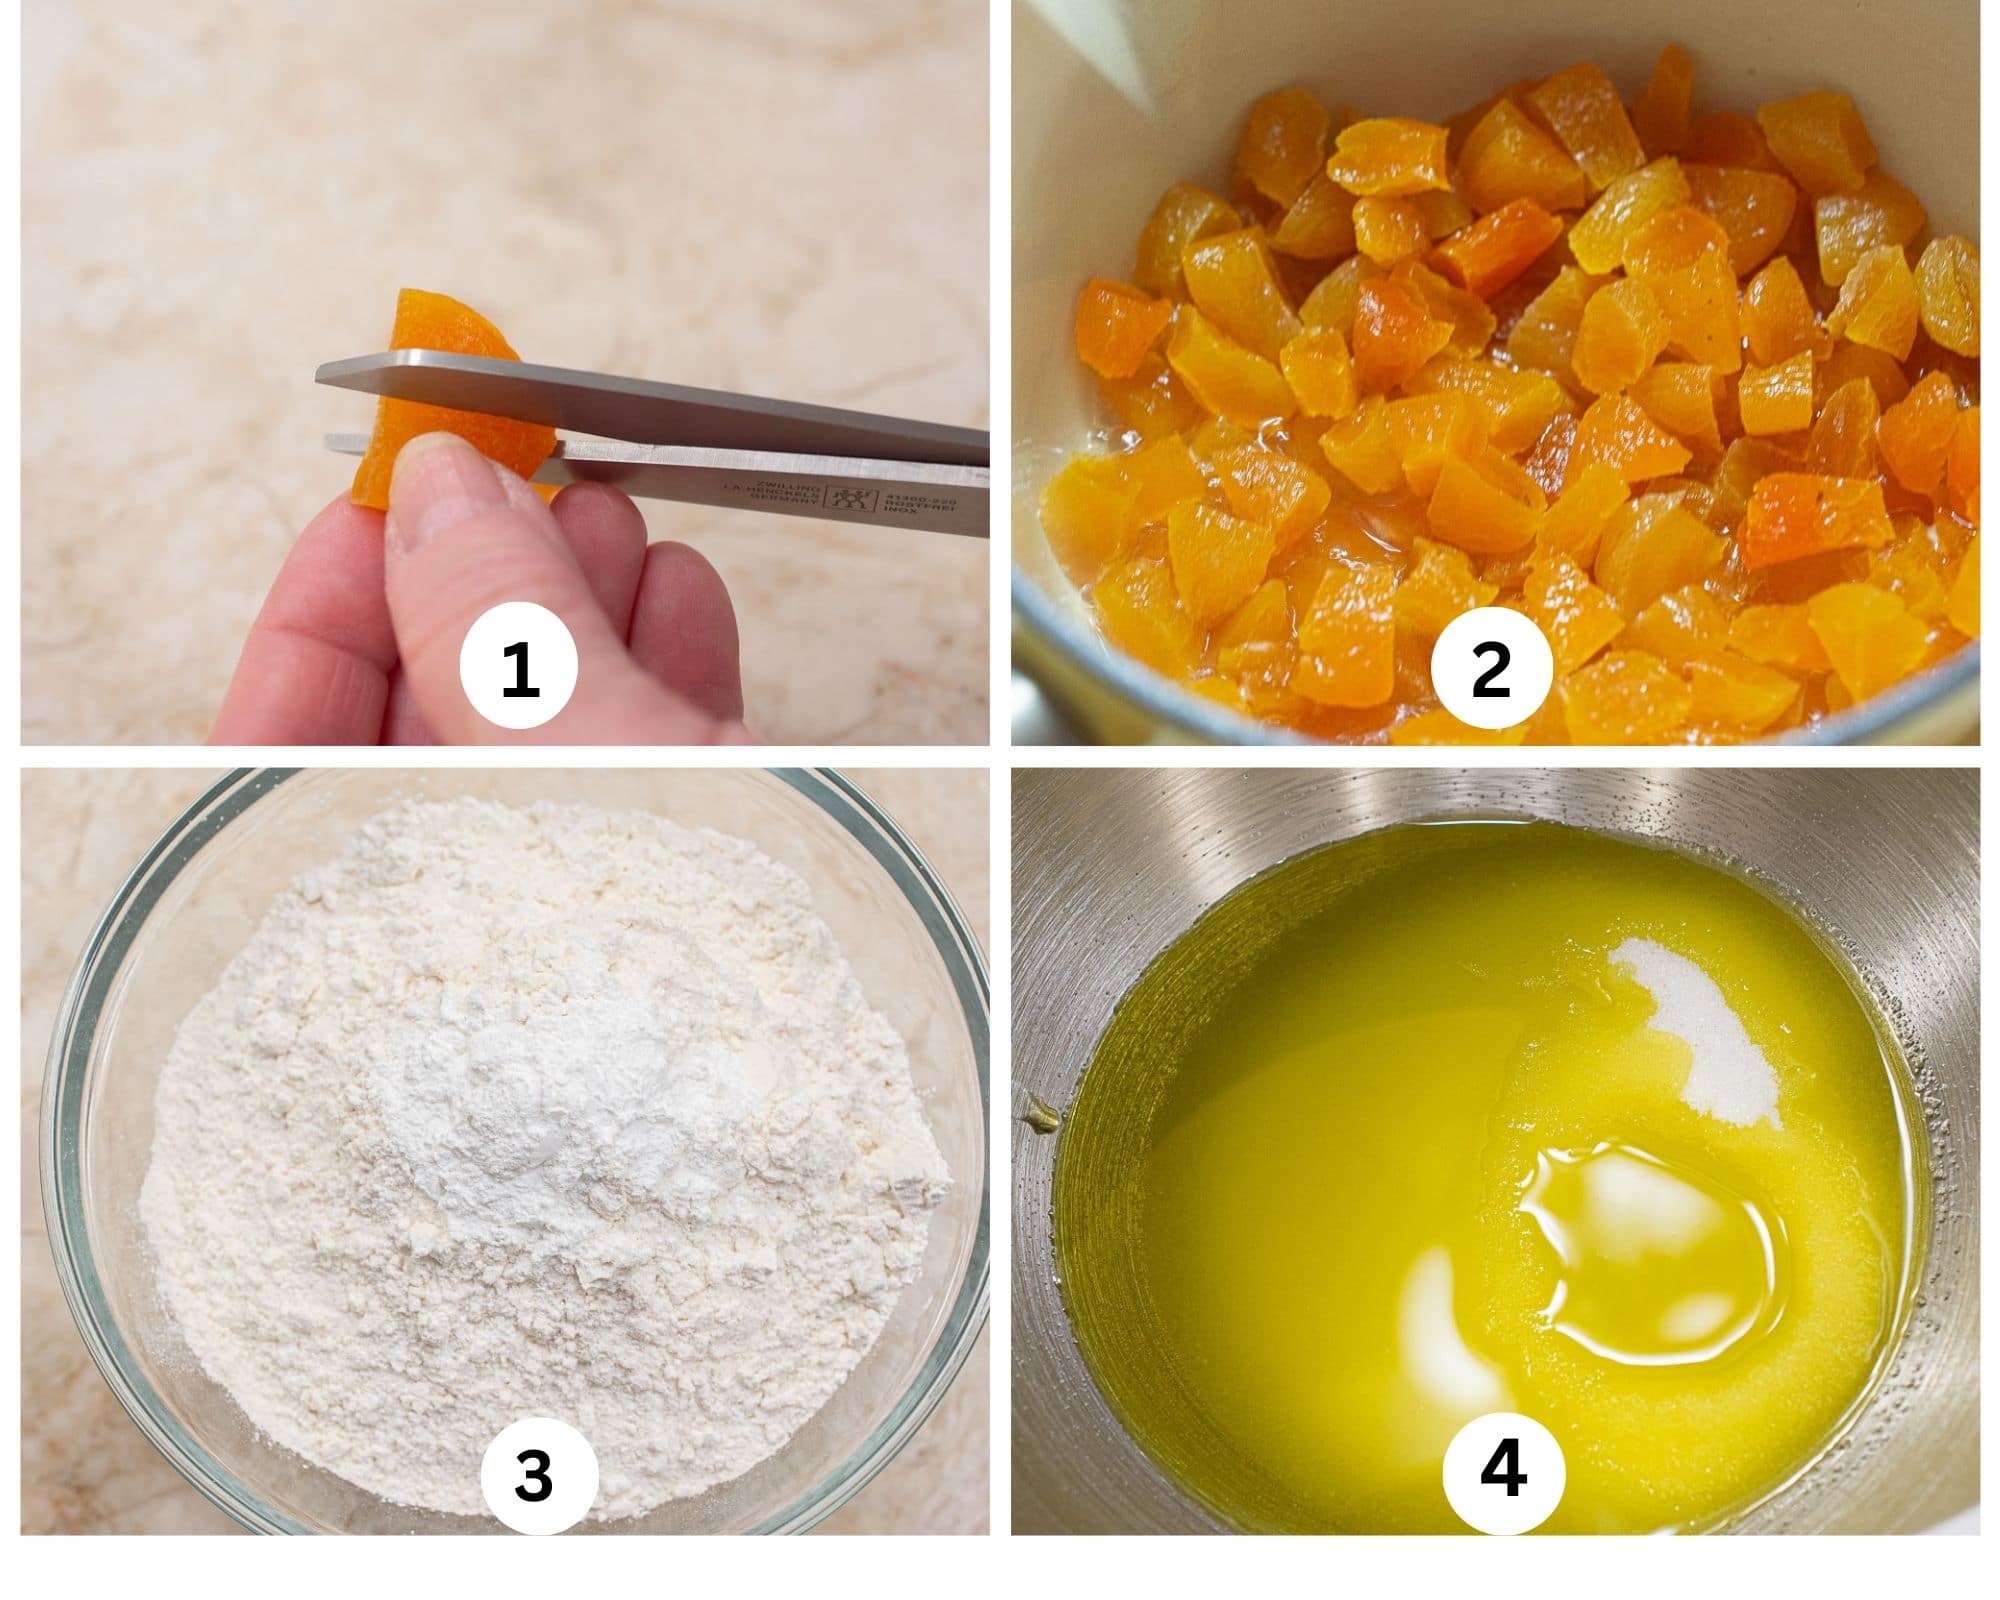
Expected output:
(438, 482)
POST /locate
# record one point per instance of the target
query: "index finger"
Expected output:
(315, 668)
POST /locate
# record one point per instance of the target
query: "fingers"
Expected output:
(684, 631)
(464, 536)
(607, 536)
(315, 668)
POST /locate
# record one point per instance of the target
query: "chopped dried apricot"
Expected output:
(1387, 229)
(1847, 226)
(1653, 545)
(1469, 510)
(1441, 727)
(1777, 399)
(1320, 370)
(1961, 466)
(1116, 325)
(1878, 303)
(1622, 334)
(1578, 617)
(1269, 487)
(1869, 635)
(1333, 300)
(1778, 319)
(1583, 109)
(1728, 139)
(1820, 141)
(1660, 114)
(1389, 156)
(1362, 451)
(427, 321)
(1962, 607)
(1626, 697)
(1948, 293)
(1597, 239)
(1544, 335)
(1842, 444)
(1740, 693)
(1227, 379)
(1778, 636)
(1492, 252)
(1218, 560)
(1440, 585)
(1615, 431)
(1680, 397)
(1754, 209)
(1797, 514)
(1347, 639)
(1283, 147)
(1230, 278)
(1319, 225)
(1507, 157)
(1186, 212)
(1915, 434)
(1394, 335)
(1576, 519)
(1143, 616)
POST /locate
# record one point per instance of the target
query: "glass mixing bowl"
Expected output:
(191, 905)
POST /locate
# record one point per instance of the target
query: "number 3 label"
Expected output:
(539, 1475)
(1492, 667)
(1504, 1473)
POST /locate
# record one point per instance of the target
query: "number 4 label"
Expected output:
(539, 1475)
(1504, 1473)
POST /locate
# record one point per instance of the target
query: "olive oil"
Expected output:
(1488, 1116)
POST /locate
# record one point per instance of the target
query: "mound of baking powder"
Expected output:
(537, 1112)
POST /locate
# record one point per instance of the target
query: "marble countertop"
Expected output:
(84, 1467)
(218, 195)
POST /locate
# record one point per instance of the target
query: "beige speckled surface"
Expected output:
(786, 198)
(84, 1467)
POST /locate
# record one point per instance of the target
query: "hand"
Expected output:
(358, 640)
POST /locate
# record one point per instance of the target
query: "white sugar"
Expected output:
(1730, 1080)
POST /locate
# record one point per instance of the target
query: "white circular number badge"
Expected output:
(518, 664)
(539, 1475)
(1504, 1473)
(1492, 667)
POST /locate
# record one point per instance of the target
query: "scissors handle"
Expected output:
(642, 412)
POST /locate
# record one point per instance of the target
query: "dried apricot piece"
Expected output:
(1440, 585)
(1962, 607)
(1797, 514)
(1778, 319)
(1842, 444)
(1739, 693)
(1142, 615)
(1544, 335)
(1948, 293)
(1492, 252)
(1394, 335)
(1582, 108)
(1869, 635)
(1230, 278)
(1578, 617)
(1362, 450)
(1820, 140)
(1754, 208)
(1469, 510)
(1728, 139)
(1087, 514)
(1683, 626)
(1283, 147)
(1653, 545)
(1672, 239)
(1576, 519)
(1319, 226)
(1681, 397)
(1777, 399)
(1519, 405)
(427, 321)
(1116, 325)
(1389, 156)
(1472, 321)
(1597, 239)
(1227, 379)
(1334, 298)
(1847, 226)
(1441, 727)
(1153, 403)
(1702, 315)
(1217, 560)
(1626, 697)
(1622, 334)
(1430, 429)
(1660, 114)
(1779, 636)
(1388, 229)
(1878, 303)
(1186, 212)
(1615, 431)
(1915, 434)
(1320, 370)
(1347, 639)
(1270, 487)
(1507, 157)
(1961, 465)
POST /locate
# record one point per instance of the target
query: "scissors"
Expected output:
(664, 441)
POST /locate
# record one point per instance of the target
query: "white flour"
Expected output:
(551, 1111)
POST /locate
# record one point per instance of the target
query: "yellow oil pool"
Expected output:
(1481, 1117)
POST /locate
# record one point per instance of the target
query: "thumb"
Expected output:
(464, 535)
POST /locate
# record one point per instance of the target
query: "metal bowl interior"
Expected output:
(193, 903)
(1116, 99)
(1111, 866)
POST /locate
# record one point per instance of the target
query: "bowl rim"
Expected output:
(1872, 721)
(96, 976)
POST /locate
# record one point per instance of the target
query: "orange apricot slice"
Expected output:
(426, 321)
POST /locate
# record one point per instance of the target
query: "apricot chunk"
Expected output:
(1283, 147)
(1847, 226)
(1227, 379)
(1626, 697)
(1878, 303)
(1389, 156)
(1754, 209)
(1507, 157)
(1491, 253)
(1230, 278)
(1116, 325)
(1869, 635)
(1616, 432)
(1582, 107)
(427, 321)
(1820, 140)
(1218, 560)
(1915, 435)
(1777, 399)
(1471, 511)
(1740, 693)
(1143, 616)
(1320, 369)
(1578, 617)
(1796, 514)
(1778, 320)
(1347, 639)
(1660, 114)
(1394, 335)
(1186, 212)
(1439, 586)
(1597, 239)
(1948, 293)
(1319, 226)
(1387, 229)
(1272, 488)
(1622, 334)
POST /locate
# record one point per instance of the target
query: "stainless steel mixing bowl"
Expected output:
(1111, 866)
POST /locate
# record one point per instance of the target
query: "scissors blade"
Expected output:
(643, 412)
(914, 496)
